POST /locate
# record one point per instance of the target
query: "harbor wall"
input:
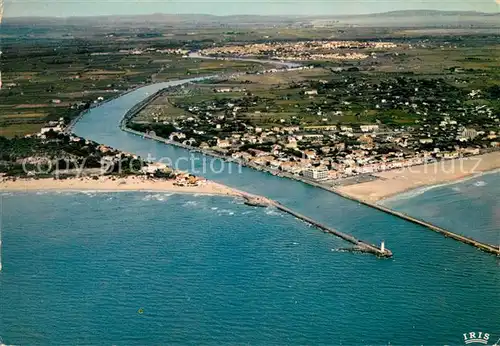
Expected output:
(466, 240)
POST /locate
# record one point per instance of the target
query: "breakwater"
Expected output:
(258, 201)
(466, 240)
(495, 250)
(140, 106)
(359, 245)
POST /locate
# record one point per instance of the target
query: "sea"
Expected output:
(140, 268)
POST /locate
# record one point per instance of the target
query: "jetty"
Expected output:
(495, 250)
(260, 202)
(253, 200)
(359, 245)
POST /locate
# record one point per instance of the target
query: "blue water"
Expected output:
(78, 267)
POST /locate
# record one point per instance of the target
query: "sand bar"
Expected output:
(110, 184)
(397, 181)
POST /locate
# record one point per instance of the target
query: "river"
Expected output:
(138, 268)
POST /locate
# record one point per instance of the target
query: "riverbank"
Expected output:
(112, 184)
(399, 181)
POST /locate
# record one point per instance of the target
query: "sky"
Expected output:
(67, 8)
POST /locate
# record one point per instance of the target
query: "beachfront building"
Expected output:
(316, 173)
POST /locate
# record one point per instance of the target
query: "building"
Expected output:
(316, 173)
(369, 128)
(469, 134)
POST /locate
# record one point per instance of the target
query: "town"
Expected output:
(301, 51)
(327, 129)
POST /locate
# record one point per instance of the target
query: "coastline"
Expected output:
(394, 183)
(362, 200)
(111, 184)
(487, 167)
(422, 189)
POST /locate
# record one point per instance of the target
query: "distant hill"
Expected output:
(414, 18)
(426, 13)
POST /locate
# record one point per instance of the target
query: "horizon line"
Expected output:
(254, 14)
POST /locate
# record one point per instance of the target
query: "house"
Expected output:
(223, 90)
(310, 154)
(366, 140)
(258, 153)
(291, 129)
(469, 134)
(291, 167)
(320, 128)
(292, 142)
(223, 143)
(44, 130)
(369, 128)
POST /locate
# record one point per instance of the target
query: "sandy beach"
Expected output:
(397, 181)
(114, 184)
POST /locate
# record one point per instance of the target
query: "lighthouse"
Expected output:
(382, 246)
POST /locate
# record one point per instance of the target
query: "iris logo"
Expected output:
(476, 338)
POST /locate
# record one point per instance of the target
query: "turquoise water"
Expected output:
(78, 267)
(471, 208)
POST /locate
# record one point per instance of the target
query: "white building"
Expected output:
(369, 128)
(311, 92)
(469, 134)
(316, 173)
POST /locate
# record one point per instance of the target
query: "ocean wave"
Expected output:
(89, 193)
(453, 184)
(273, 212)
(411, 194)
(156, 197)
(191, 204)
(225, 212)
(238, 201)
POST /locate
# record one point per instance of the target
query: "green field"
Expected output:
(77, 65)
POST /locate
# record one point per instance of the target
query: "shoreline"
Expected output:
(110, 184)
(359, 199)
(422, 189)
(373, 192)
(344, 191)
(487, 248)
(396, 183)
